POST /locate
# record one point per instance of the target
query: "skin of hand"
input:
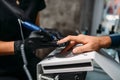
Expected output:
(89, 43)
(6, 48)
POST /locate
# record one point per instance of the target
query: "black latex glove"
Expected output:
(55, 33)
(36, 40)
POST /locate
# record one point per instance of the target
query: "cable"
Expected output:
(25, 62)
(21, 31)
(23, 53)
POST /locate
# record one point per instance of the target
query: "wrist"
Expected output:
(17, 45)
(105, 41)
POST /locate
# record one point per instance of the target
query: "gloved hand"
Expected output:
(54, 32)
(36, 40)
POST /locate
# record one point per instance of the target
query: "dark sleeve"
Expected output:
(115, 38)
(34, 7)
(40, 4)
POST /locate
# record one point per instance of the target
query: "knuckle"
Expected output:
(69, 36)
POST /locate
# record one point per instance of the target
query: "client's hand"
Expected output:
(90, 43)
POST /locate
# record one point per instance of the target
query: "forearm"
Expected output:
(37, 22)
(6, 48)
(110, 41)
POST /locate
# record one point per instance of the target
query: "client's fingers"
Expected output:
(81, 49)
(66, 39)
(68, 47)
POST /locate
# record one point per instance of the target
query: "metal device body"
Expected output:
(56, 65)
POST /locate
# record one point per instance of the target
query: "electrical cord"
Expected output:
(21, 31)
(23, 53)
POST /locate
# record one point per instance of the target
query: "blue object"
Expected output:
(34, 27)
(31, 26)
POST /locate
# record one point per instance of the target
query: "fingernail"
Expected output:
(58, 41)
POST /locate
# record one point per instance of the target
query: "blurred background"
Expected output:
(82, 16)
(68, 16)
